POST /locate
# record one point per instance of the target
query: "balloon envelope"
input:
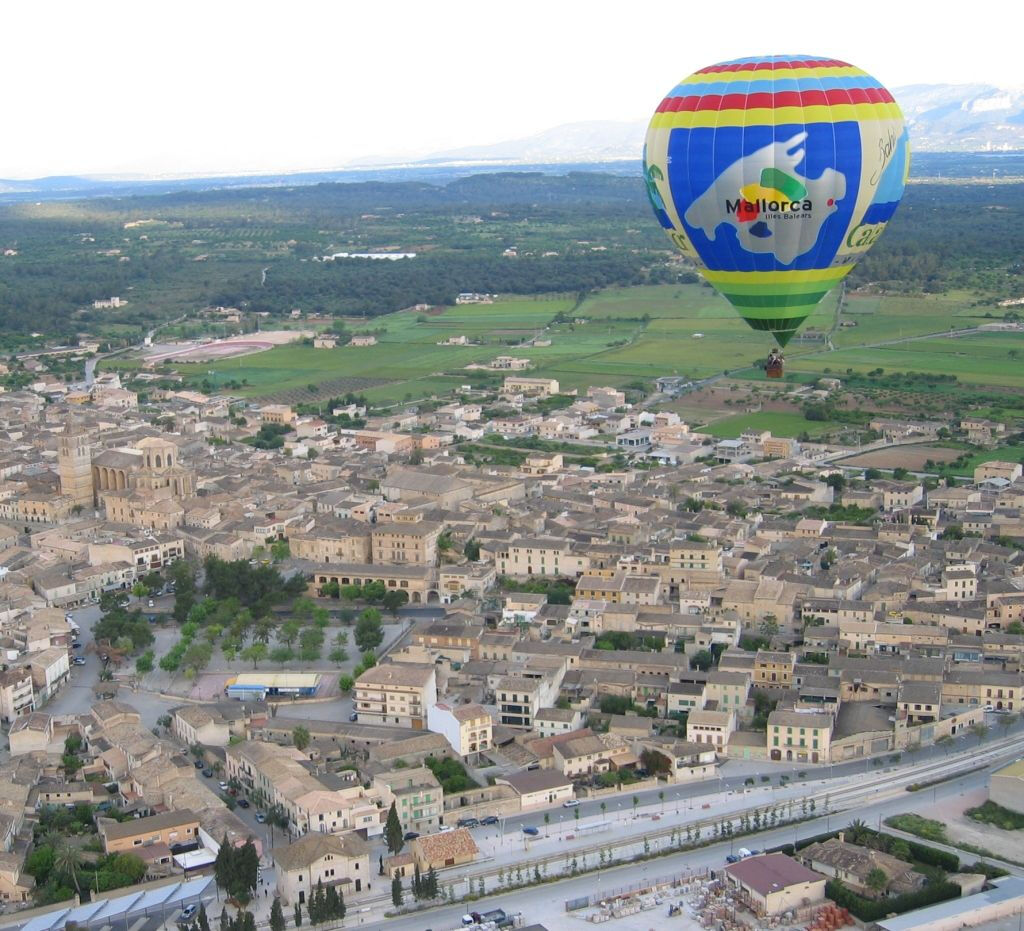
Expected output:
(775, 175)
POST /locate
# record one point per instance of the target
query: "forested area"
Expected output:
(574, 233)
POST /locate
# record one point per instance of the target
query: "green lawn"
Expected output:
(780, 424)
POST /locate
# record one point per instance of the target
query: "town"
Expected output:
(330, 665)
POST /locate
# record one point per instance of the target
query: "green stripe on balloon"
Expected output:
(809, 298)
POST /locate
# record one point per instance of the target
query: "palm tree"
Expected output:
(856, 831)
(67, 859)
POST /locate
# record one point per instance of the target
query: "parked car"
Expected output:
(243, 803)
(533, 832)
(149, 603)
(78, 661)
(733, 858)
(207, 772)
(411, 835)
(490, 819)
(198, 764)
(260, 817)
(445, 829)
(188, 913)
(571, 803)
(354, 716)
(473, 918)
(76, 644)
(222, 785)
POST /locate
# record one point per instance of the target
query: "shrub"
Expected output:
(991, 813)
(871, 910)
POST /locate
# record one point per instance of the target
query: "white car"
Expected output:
(223, 786)
(571, 803)
(445, 829)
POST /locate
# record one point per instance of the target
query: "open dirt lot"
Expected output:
(961, 828)
(907, 457)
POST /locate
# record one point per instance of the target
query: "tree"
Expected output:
(298, 915)
(945, 741)
(369, 633)
(346, 683)
(1006, 721)
(222, 864)
(338, 656)
(288, 632)
(702, 659)
(196, 657)
(282, 655)
(877, 880)
(396, 891)
(417, 882)
(393, 834)
(254, 653)
(204, 920)
(980, 731)
(277, 922)
(394, 599)
(471, 551)
(769, 626)
(857, 831)
(67, 860)
(430, 884)
(300, 737)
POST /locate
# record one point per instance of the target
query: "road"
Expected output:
(546, 904)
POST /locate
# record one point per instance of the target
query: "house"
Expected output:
(538, 788)
(332, 859)
(438, 851)
(15, 884)
(774, 883)
(467, 728)
(711, 727)
(31, 732)
(194, 724)
(852, 864)
(550, 721)
(170, 828)
(799, 735)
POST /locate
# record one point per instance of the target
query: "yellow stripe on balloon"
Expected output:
(768, 116)
(778, 277)
(780, 74)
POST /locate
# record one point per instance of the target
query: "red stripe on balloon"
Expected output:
(765, 101)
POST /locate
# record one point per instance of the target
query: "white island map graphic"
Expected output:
(782, 222)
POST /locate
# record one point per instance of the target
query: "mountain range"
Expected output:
(941, 118)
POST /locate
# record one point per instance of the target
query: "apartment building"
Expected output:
(802, 736)
(467, 728)
(527, 556)
(417, 795)
(396, 694)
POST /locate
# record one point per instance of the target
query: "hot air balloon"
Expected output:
(774, 175)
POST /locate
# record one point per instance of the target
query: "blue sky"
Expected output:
(221, 86)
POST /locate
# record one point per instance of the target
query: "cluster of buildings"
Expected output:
(604, 625)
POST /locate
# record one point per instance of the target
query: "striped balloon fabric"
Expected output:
(774, 175)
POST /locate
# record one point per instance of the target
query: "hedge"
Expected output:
(877, 909)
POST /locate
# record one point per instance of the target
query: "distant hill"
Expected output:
(963, 117)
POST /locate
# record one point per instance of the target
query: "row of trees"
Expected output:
(236, 869)
(423, 887)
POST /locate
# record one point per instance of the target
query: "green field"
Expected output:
(624, 335)
(779, 423)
